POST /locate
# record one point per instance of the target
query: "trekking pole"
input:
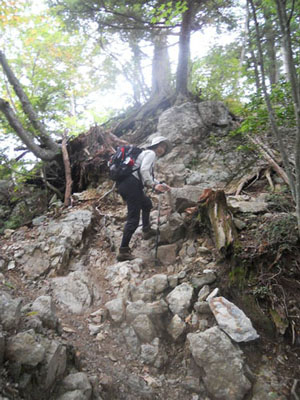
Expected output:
(157, 229)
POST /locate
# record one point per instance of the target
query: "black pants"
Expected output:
(131, 190)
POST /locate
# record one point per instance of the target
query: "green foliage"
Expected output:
(168, 13)
(218, 76)
(279, 233)
(280, 202)
(255, 113)
(261, 292)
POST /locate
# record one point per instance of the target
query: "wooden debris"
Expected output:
(213, 206)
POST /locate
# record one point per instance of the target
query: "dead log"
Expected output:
(213, 207)
(269, 156)
(69, 182)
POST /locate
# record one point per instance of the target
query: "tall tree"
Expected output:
(285, 16)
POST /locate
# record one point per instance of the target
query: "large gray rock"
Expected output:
(121, 273)
(53, 247)
(232, 320)
(73, 291)
(25, 349)
(182, 124)
(184, 197)
(77, 382)
(46, 311)
(173, 230)
(214, 113)
(55, 363)
(150, 288)
(176, 327)
(180, 298)
(153, 310)
(154, 354)
(116, 309)
(144, 328)
(253, 206)
(10, 311)
(222, 362)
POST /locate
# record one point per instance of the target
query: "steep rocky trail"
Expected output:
(210, 321)
(150, 358)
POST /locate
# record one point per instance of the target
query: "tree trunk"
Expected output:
(184, 50)
(284, 23)
(271, 113)
(161, 71)
(68, 175)
(27, 107)
(270, 47)
(253, 56)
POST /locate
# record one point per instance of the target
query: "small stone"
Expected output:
(94, 329)
(173, 280)
(11, 265)
(203, 293)
(199, 281)
(213, 294)
(203, 250)
(100, 337)
(202, 307)
(180, 298)
(181, 275)
(8, 233)
(176, 327)
(203, 325)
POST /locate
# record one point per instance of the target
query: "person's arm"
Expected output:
(146, 169)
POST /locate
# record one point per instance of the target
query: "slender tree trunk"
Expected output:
(184, 50)
(252, 53)
(271, 113)
(69, 182)
(27, 107)
(270, 47)
(161, 70)
(284, 23)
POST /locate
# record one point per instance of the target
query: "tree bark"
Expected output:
(26, 137)
(270, 36)
(69, 182)
(284, 23)
(184, 50)
(27, 107)
(161, 70)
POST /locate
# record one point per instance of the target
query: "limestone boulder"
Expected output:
(222, 363)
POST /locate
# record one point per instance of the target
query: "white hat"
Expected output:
(160, 139)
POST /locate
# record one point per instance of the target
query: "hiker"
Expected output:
(132, 191)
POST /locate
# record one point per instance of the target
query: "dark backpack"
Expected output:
(122, 162)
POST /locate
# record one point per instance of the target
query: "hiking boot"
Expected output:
(125, 254)
(148, 232)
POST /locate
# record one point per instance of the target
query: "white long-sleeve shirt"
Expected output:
(145, 162)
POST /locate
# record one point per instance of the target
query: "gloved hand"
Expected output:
(162, 187)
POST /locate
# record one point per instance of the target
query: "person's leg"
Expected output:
(148, 232)
(133, 218)
(132, 193)
(146, 208)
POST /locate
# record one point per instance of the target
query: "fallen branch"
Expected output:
(269, 156)
(69, 182)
